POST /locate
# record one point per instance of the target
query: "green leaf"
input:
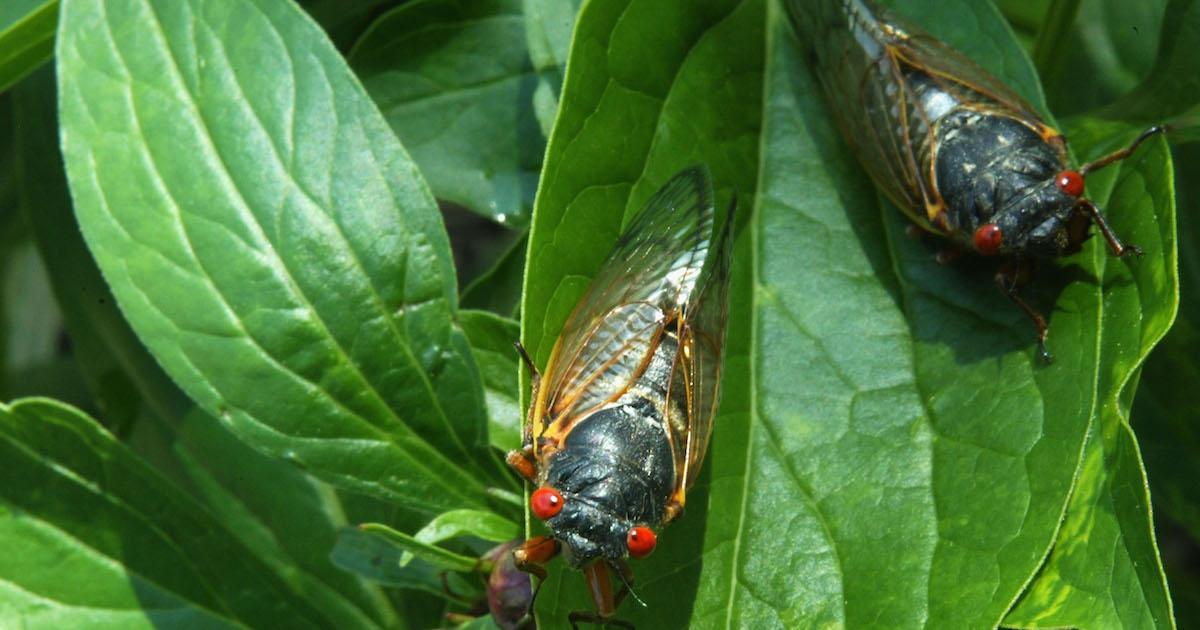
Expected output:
(26, 37)
(377, 559)
(106, 542)
(1113, 44)
(499, 289)
(652, 87)
(492, 338)
(436, 556)
(1170, 89)
(456, 523)
(1104, 570)
(285, 516)
(454, 80)
(889, 450)
(344, 22)
(1166, 407)
(274, 248)
(548, 28)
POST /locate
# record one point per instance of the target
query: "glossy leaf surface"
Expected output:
(275, 249)
(877, 405)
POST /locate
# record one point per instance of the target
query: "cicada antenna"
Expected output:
(622, 574)
(525, 357)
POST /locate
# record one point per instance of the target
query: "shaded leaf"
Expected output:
(107, 542)
(436, 556)
(375, 558)
(492, 338)
(1104, 570)
(26, 37)
(1169, 91)
(548, 28)
(454, 80)
(499, 289)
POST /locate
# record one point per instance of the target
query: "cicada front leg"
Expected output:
(529, 557)
(600, 586)
(1009, 278)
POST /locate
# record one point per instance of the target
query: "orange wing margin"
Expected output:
(647, 280)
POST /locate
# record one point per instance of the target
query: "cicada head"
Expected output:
(1043, 223)
(1006, 186)
(607, 485)
(588, 532)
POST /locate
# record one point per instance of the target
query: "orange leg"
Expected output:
(530, 557)
(523, 462)
(600, 586)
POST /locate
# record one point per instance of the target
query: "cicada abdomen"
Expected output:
(958, 151)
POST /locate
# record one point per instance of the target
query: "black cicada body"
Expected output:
(620, 418)
(959, 152)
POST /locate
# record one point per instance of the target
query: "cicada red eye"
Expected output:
(988, 239)
(1070, 182)
(545, 502)
(640, 541)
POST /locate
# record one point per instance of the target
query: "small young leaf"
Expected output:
(485, 525)
(436, 556)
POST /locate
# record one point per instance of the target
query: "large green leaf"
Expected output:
(26, 37)
(454, 80)
(105, 542)
(271, 242)
(889, 452)
(652, 87)
(289, 519)
(1104, 570)
(1166, 406)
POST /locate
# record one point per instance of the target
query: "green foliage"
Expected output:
(293, 411)
(26, 37)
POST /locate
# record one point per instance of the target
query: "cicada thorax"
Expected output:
(996, 175)
(614, 468)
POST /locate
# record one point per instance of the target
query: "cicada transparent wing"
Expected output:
(701, 361)
(891, 83)
(644, 284)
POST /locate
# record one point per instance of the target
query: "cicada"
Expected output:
(621, 416)
(959, 152)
